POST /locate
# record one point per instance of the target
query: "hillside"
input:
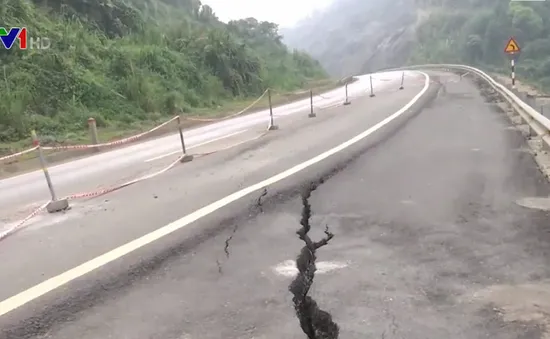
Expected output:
(355, 36)
(346, 36)
(124, 62)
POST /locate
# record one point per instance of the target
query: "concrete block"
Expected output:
(312, 115)
(273, 128)
(186, 158)
(57, 206)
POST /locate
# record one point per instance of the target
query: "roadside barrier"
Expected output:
(22, 223)
(539, 125)
(56, 205)
(18, 154)
(112, 143)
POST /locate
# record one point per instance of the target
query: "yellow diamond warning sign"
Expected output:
(512, 47)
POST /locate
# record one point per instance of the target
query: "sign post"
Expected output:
(513, 51)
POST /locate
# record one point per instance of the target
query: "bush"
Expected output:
(123, 63)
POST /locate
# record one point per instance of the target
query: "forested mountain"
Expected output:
(124, 61)
(355, 36)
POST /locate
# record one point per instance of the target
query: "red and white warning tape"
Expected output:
(112, 143)
(232, 115)
(106, 144)
(116, 188)
(23, 222)
(15, 155)
(98, 193)
(18, 226)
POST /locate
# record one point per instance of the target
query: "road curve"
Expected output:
(429, 241)
(105, 169)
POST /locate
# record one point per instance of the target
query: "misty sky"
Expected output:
(283, 12)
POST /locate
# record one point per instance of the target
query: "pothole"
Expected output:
(539, 203)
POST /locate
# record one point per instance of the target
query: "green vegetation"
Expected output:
(126, 63)
(355, 36)
(475, 32)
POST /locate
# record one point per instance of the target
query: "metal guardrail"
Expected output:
(538, 122)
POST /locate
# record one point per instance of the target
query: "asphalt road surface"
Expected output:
(429, 241)
(25, 192)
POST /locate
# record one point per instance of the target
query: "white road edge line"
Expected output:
(197, 145)
(53, 283)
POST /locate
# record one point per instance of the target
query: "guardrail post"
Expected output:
(272, 125)
(54, 205)
(402, 81)
(311, 113)
(347, 102)
(371, 88)
(92, 126)
(185, 157)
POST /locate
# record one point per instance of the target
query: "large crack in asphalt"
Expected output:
(69, 306)
(315, 323)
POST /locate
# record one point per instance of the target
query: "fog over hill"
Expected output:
(357, 36)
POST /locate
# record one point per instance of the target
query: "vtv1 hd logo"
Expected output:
(20, 34)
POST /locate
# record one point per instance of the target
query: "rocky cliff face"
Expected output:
(356, 36)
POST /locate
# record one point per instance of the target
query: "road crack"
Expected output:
(226, 248)
(315, 323)
(220, 268)
(259, 204)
